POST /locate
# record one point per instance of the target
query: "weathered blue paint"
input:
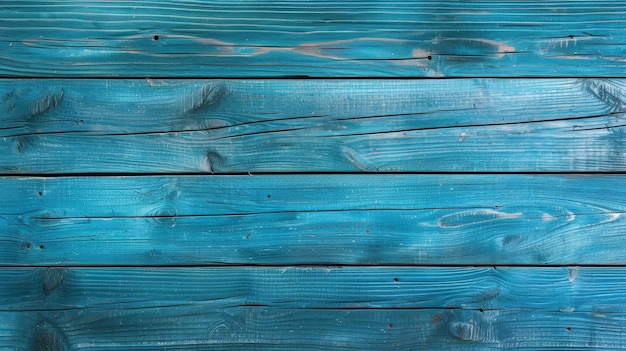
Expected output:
(208, 325)
(314, 219)
(239, 126)
(415, 38)
(137, 214)
(382, 287)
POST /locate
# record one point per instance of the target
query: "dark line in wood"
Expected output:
(161, 304)
(478, 125)
(315, 265)
(598, 128)
(260, 174)
(311, 211)
(274, 78)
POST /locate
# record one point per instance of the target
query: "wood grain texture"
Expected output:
(555, 289)
(313, 219)
(239, 126)
(207, 326)
(190, 38)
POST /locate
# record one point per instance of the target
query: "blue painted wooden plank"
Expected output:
(559, 289)
(203, 326)
(313, 219)
(424, 38)
(239, 126)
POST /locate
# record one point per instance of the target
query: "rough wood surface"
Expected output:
(239, 126)
(209, 326)
(220, 38)
(552, 289)
(313, 219)
(172, 178)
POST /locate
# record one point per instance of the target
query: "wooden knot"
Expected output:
(49, 338)
(52, 279)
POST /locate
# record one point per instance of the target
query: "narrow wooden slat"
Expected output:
(313, 219)
(465, 125)
(222, 38)
(207, 327)
(560, 289)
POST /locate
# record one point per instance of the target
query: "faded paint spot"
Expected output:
(155, 82)
(466, 218)
(547, 217)
(487, 293)
(436, 318)
(463, 331)
(317, 49)
(512, 240)
(479, 46)
(572, 273)
(463, 135)
(613, 217)
(421, 54)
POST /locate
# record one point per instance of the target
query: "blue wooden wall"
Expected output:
(312, 175)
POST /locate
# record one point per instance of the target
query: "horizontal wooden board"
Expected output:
(222, 38)
(313, 219)
(558, 289)
(239, 126)
(206, 327)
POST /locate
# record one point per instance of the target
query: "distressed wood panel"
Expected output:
(558, 289)
(209, 326)
(312, 38)
(313, 219)
(239, 126)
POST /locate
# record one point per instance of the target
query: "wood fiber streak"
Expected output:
(208, 326)
(313, 219)
(560, 289)
(239, 126)
(312, 38)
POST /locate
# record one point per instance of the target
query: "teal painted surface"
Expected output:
(314, 219)
(210, 326)
(312, 38)
(484, 212)
(552, 289)
(239, 126)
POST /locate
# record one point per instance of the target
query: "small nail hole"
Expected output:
(569, 330)
(155, 38)
(429, 57)
(390, 326)
(40, 193)
(41, 247)
(396, 279)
